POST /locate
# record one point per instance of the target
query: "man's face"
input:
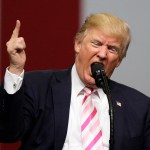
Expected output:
(96, 47)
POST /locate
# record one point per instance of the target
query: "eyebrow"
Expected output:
(115, 45)
(96, 40)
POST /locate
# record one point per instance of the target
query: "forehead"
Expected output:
(94, 34)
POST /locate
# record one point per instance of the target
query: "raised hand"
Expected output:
(15, 48)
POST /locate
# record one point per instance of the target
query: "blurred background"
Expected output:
(49, 28)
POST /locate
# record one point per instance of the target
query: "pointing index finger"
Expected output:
(15, 33)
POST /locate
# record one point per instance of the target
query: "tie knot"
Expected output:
(88, 90)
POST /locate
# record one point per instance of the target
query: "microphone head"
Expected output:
(97, 69)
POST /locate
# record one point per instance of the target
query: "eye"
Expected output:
(113, 49)
(96, 43)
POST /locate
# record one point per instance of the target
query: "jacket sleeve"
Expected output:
(11, 115)
(147, 129)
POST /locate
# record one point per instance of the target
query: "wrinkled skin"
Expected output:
(96, 47)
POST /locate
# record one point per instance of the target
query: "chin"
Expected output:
(90, 80)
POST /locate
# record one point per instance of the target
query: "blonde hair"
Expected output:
(109, 25)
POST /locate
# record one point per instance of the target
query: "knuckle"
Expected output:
(7, 43)
(21, 39)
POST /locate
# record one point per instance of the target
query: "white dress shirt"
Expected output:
(12, 82)
(73, 141)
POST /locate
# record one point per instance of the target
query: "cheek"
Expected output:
(111, 65)
(84, 55)
(113, 60)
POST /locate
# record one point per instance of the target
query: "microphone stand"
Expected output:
(111, 113)
(101, 81)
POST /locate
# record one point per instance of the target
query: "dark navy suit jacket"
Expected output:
(38, 113)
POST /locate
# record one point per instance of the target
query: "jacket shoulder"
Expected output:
(45, 78)
(126, 91)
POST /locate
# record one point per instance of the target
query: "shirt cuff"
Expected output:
(12, 82)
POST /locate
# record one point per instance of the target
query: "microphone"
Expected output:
(101, 81)
(100, 77)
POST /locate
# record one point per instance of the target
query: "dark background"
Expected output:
(48, 28)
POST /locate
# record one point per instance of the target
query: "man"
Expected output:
(44, 109)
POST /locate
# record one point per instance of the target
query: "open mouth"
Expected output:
(96, 68)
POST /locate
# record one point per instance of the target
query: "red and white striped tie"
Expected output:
(90, 125)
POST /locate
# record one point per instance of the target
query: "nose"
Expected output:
(102, 54)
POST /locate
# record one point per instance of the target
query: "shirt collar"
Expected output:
(77, 84)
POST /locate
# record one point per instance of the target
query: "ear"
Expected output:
(77, 46)
(119, 62)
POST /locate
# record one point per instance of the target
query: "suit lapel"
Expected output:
(61, 100)
(119, 121)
